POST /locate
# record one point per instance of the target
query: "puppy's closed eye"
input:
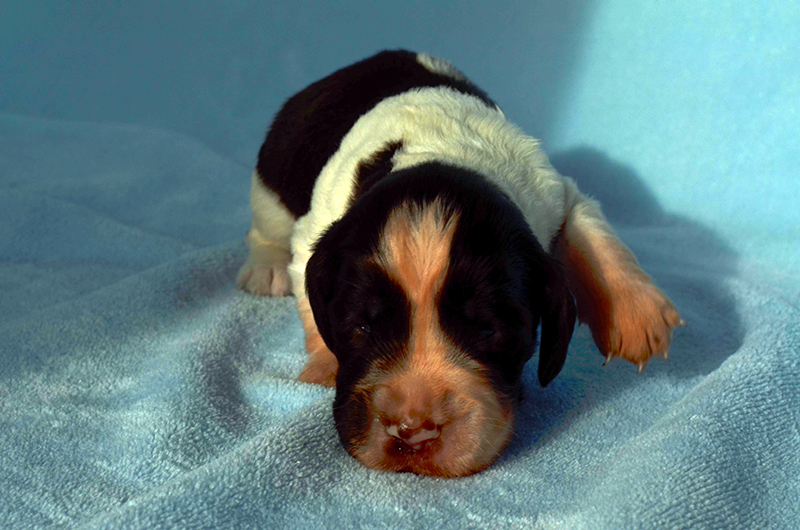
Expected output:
(369, 310)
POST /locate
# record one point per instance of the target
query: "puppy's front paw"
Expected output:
(264, 280)
(637, 323)
(265, 273)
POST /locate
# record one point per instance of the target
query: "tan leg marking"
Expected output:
(322, 365)
(628, 315)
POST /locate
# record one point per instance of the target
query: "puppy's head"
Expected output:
(430, 292)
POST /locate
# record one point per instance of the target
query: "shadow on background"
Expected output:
(689, 262)
(623, 195)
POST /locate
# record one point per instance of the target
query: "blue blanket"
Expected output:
(140, 389)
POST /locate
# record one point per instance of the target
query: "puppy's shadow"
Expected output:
(688, 261)
(624, 197)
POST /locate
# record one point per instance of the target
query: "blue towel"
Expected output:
(140, 389)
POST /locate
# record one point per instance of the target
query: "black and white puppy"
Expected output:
(426, 239)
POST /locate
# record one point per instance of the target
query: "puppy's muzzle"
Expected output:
(445, 422)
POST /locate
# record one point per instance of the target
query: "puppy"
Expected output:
(426, 239)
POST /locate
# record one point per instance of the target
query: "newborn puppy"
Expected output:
(426, 239)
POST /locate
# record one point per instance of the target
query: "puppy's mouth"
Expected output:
(411, 440)
(427, 427)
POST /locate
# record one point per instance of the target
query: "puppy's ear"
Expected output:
(558, 320)
(322, 272)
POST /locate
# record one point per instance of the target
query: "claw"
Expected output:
(608, 360)
(641, 366)
(666, 356)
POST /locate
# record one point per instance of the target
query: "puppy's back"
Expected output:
(311, 125)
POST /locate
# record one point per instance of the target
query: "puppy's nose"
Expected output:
(414, 433)
(409, 413)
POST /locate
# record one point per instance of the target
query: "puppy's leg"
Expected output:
(264, 273)
(322, 364)
(628, 315)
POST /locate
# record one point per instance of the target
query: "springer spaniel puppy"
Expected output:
(426, 239)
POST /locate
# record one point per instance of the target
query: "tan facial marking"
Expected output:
(439, 396)
(415, 251)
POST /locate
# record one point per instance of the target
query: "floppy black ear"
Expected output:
(322, 271)
(558, 322)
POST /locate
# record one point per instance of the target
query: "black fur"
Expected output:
(500, 285)
(372, 170)
(310, 126)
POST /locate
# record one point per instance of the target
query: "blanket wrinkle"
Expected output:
(160, 172)
(101, 218)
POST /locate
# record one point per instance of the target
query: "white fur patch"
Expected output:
(436, 124)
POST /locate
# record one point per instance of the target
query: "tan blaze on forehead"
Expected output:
(415, 251)
(415, 248)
